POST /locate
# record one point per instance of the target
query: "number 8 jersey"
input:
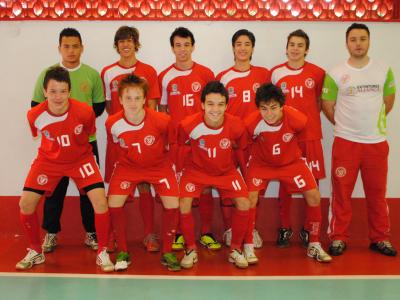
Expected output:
(276, 145)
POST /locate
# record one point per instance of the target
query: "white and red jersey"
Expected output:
(65, 138)
(181, 90)
(302, 88)
(111, 76)
(212, 148)
(242, 87)
(276, 145)
(140, 145)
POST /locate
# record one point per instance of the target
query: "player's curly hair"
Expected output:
(269, 92)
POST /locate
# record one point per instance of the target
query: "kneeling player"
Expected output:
(65, 125)
(142, 136)
(211, 137)
(276, 155)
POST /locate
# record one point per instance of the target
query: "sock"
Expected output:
(248, 239)
(313, 222)
(146, 204)
(240, 221)
(169, 226)
(206, 210)
(187, 227)
(118, 225)
(30, 223)
(226, 209)
(102, 223)
(285, 202)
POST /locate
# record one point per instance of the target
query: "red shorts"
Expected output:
(296, 176)
(229, 185)
(125, 178)
(44, 176)
(312, 151)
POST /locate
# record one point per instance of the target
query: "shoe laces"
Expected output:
(235, 253)
(104, 257)
(49, 238)
(385, 244)
(337, 243)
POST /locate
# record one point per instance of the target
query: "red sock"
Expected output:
(226, 209)
(206, 210)
(146, 204)
(102, 223)
(240, 221)
(187, 227)
(285, 202)
(313, 222)
(118, 225)
(248, 239)
(30, 223)
(170, 224)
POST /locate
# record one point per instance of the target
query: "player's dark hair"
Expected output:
(356, 26)
(132, 80)
(245, 32)
(69, 32)
(269, 92)
(183, 33)
(301, 34)
(59, 74)
(126, 32)
(214, 87)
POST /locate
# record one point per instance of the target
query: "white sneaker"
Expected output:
(257, 240)
(103, 260)
(248, 251)
(236, 257)
(30, 259)
(227, 237)
(122, 262)
(315, 251)
(49, 242)
(91, 240)
(189, 259)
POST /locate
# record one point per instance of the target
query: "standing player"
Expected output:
(213, 137)
(65, 125)
(86, 87)
(181, 85)
(275, 155)
(301, 82)
(242, 80)
(357, 97)
(126, 43)
(142, 136)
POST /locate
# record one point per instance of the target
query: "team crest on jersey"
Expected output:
(231, 92)
(284, 88)
(190, 187)
(202, 143)
(114, 85)
(257, 181)
(174, 90)
(85, 87)
(310, 83)
(287, 137)
(78, 129)
(255, 87)
(122, 143)
(149, 140)
(224, 143)
(42, 179)
(125, 185)
(196, 86)
(340, 172)
(46, 134)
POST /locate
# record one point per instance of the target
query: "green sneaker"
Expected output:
(123, 261)
(210, 242)
(170, 261)
(178, 243)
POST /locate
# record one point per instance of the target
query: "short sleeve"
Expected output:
(330, 89)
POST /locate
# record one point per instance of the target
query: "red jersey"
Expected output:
(276, 145)
(181, 90)
(113, 74)
(212, 148)
(302, 88)
(242, 87)
(65, 138)
(141, 145)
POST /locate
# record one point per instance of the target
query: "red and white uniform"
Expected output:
(111, 76)
(242, 87)
(275, 153)
(211, 156)
(64, 148)
(181, 90)
(142, 154)
(302, 88)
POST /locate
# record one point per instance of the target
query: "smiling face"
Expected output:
(271, 112)
(358, 43)
(132, 100)
(214, 108)
(70, 50)
(296, 49)
(126, 48)
(183, 49)
(243, 49)
(57, 94)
